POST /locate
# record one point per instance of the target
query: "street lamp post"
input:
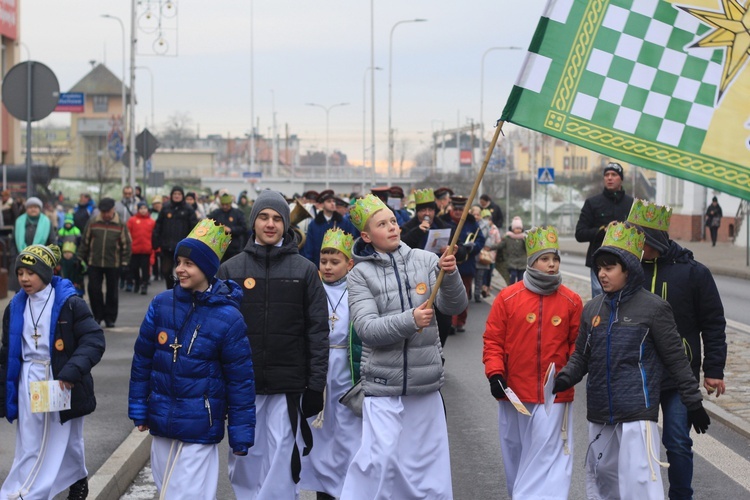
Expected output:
(124, 104)
(327, 110)
(364, 124)
(390, 94)
(131, 124)
(151, 76)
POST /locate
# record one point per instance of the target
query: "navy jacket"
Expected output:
(317, 229)
(76, 345)
(189, 396)
(597, 212)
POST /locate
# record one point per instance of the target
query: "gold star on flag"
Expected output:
(732, 30)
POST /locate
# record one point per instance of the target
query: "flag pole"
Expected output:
(469, 201)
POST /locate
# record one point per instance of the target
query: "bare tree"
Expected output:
(100, 166)
(177, 131)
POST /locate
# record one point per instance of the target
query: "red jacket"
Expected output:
(140, 228)
(526, 332)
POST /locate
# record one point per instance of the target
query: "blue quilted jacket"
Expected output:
(188, 395)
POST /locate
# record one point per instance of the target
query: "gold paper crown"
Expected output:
(69, 246)
(213, 235)
(625, 236)
(338, 240)
(363, 209)
(422, 196)
(541, 238)
(650, 215)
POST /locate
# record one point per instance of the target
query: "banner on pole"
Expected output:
(660, 84)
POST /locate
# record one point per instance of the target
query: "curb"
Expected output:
(115, 476)
(719, 414)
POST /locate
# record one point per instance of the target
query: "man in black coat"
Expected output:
(174, 223)
(688, 286)
(497, 214)
(233, 220)
(598, 211)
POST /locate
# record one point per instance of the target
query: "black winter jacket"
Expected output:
(597, 212)
(234, 219)
(690, 289)
(285, 310)
(174, 223)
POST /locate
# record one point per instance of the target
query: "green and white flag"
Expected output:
(661, 84)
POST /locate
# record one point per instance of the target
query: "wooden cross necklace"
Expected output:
(36, 335)
(333, 318)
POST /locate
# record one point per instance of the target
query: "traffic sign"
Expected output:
(146, 144)
(35, 78)
(546, 175)
(71, 102)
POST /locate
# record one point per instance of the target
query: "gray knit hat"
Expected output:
(34, 201)
(273, 200)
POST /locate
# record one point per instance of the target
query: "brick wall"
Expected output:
(689, 227)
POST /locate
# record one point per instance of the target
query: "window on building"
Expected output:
(101, 104)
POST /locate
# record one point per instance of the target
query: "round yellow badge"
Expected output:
(421, 288)
(169, 215)
(531, 317)
(595, 321)
(231, 219)
(250, 283)
(162, 338)
(201, 231)
(59, 344)
(556, 320)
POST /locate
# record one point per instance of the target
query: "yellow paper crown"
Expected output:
(338, 240)
(363, 209)
(650, 215)
(541, 238)
(422, 196)
(625, 236)
(213, 235)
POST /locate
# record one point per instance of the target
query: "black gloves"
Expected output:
(699, 419)
(560, 385)
(497, 386)
(312, 403)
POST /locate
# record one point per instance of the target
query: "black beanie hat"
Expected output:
(614, 167)
(40, 259)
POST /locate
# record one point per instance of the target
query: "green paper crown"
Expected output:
(213, 235)
(651, 215)
(363, 209)
(338, 240)
(625, 236)
(422, 196)
(541, 238)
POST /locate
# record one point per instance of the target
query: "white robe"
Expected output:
(185, 471)
(538, 463)
(339, 437)
(404, 453)
(49, 457)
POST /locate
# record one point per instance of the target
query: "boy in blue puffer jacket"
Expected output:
(192, 368)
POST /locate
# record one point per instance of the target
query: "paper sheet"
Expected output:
(515, 401)
(549, 384)
(437, 239)
(47, 396)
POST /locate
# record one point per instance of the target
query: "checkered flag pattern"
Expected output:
(643, 78)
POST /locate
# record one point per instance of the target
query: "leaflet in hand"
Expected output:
(48, 396)
(437, 239)
(515, 401)
(549, 384)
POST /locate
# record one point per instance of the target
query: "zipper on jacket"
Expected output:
(266, 304)
(644, 378)
(403, 309)
(613, 304)
(195, 336)
(539, 383)
(207, 404)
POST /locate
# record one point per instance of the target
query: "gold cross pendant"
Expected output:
(36, 339)
(174, 345)
(333, 319)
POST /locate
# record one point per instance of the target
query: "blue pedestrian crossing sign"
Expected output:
(546, 175)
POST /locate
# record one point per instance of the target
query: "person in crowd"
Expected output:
(396, 202)
(713, 219)
(513, 251)
(9, 218)
(326, 218)
(141, 228)
(175, 221)
(534, 324)
(71, 267)
(192, 201)
(105, 248)
(50, 211)
(156, 205)
(342, 206)
(482, 260)
(285, 311)
(626, 340)
(485, 201)
(33, 227)
(127, 206)
(612, 204)
(473, 240)
(233, 220)
(246, 206)
(49, 337)
(138, 194)
(404, 451)
(673, 274)
(192, 370)
(493, 239)
(68, 231)
(336, 430)
(443, 202)
(83, 211)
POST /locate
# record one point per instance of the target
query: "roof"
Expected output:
(99, 81)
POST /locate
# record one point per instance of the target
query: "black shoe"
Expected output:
(109, 324)
(129, 287)
(460, 328)
(324, 496)
(477, 298)
(79, 490)
(144, 289)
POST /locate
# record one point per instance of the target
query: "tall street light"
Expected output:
(364, 123)
(124, 104)
(131, 123)
(390, 78)
(327, 110)
(151, 76)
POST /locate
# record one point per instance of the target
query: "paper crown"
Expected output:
(422, 196)
(338, 240)
(363, 209)
(650, 215)
(213, 235)
(625, 236)
(69, 246)
(541, 238)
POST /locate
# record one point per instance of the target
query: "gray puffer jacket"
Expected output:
(384, 289)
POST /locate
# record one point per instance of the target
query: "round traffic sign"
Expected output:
(45, 91)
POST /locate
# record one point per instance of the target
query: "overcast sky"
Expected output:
(304, 51)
